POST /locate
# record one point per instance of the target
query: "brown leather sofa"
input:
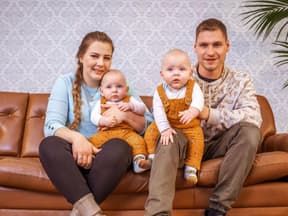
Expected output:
(26, 190)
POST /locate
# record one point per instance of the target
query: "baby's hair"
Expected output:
(175, 51)
(113, 72)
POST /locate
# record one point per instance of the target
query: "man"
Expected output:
(231, 122)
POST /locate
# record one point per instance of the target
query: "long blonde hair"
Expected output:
(76, 91)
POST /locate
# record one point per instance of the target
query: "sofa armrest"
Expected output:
(276, 142)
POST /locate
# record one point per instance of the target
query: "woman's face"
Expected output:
(96, 61)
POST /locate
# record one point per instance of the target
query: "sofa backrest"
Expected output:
(13, 108)
(34, 123)
(22, 118)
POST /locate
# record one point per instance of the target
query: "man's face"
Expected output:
(211, 48)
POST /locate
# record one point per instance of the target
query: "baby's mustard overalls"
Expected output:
(123, 131)
(192, 130)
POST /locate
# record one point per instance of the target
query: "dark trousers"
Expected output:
(108, 167)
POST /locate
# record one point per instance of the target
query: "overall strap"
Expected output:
(163, 97)
(189, 89)
(126, 99)
(102, 101)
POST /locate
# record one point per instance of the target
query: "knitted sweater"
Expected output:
(231, 99)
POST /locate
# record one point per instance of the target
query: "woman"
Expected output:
(81, 172)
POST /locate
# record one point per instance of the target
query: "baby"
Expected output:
(114, 92)
(176, 104)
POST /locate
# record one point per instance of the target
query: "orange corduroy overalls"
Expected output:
(122, 131)
(192, 130)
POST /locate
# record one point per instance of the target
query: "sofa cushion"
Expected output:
(34, 124)
(24, 173)
(27, 173)
(267, 167)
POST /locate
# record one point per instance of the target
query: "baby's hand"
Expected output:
(188, 115)
(167, 136)
(123, 106)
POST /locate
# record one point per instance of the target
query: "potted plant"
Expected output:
(269, 17)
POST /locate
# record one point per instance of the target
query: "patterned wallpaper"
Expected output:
(39, 39)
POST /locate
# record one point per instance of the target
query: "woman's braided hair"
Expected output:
(76, 91)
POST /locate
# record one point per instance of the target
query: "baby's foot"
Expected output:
(190, 174)
(136, 163)
(145, 164)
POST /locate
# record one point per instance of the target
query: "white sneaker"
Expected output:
(136, 161)
(190, 174)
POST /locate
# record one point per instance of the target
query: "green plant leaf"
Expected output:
(266, 16)
(263, 16)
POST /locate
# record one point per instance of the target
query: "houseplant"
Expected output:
(269, 18)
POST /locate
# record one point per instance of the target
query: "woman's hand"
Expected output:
(83, 151)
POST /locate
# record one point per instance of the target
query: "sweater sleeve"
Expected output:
(240, 105)
(57, 108)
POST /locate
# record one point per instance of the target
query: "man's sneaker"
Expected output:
(213, 212)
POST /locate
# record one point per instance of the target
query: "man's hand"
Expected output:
(204, 115)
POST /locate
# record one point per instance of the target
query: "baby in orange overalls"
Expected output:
(114, 91)
(176, 104)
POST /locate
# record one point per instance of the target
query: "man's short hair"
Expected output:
(211, 24)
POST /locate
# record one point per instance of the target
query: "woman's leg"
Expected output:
(56, 157)
(108, 167)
